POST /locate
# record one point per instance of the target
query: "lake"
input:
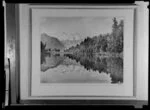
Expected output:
(69, 68)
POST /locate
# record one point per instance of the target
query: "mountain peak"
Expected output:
(51, 42)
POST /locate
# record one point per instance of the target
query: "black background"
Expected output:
(69, 107)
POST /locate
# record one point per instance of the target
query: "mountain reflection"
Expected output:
(91, 62)
(109, 65)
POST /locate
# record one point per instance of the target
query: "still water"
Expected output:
(60, 68)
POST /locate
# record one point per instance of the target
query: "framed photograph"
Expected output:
(81, 52)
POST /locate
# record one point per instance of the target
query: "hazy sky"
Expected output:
(75, 27)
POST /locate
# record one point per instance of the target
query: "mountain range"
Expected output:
(70, 43)
(51, 42)
(54, 43)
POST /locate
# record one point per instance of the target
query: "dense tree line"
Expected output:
(103, 43)
(43, 46)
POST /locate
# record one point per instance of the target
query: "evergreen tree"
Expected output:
(43, 46)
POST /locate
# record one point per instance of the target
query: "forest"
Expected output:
(104, 44)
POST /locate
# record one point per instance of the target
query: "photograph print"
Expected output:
(82, 50)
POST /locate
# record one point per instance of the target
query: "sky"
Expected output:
(75, 27)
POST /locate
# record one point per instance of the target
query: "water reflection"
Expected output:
(91, 63)
(111, 65)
